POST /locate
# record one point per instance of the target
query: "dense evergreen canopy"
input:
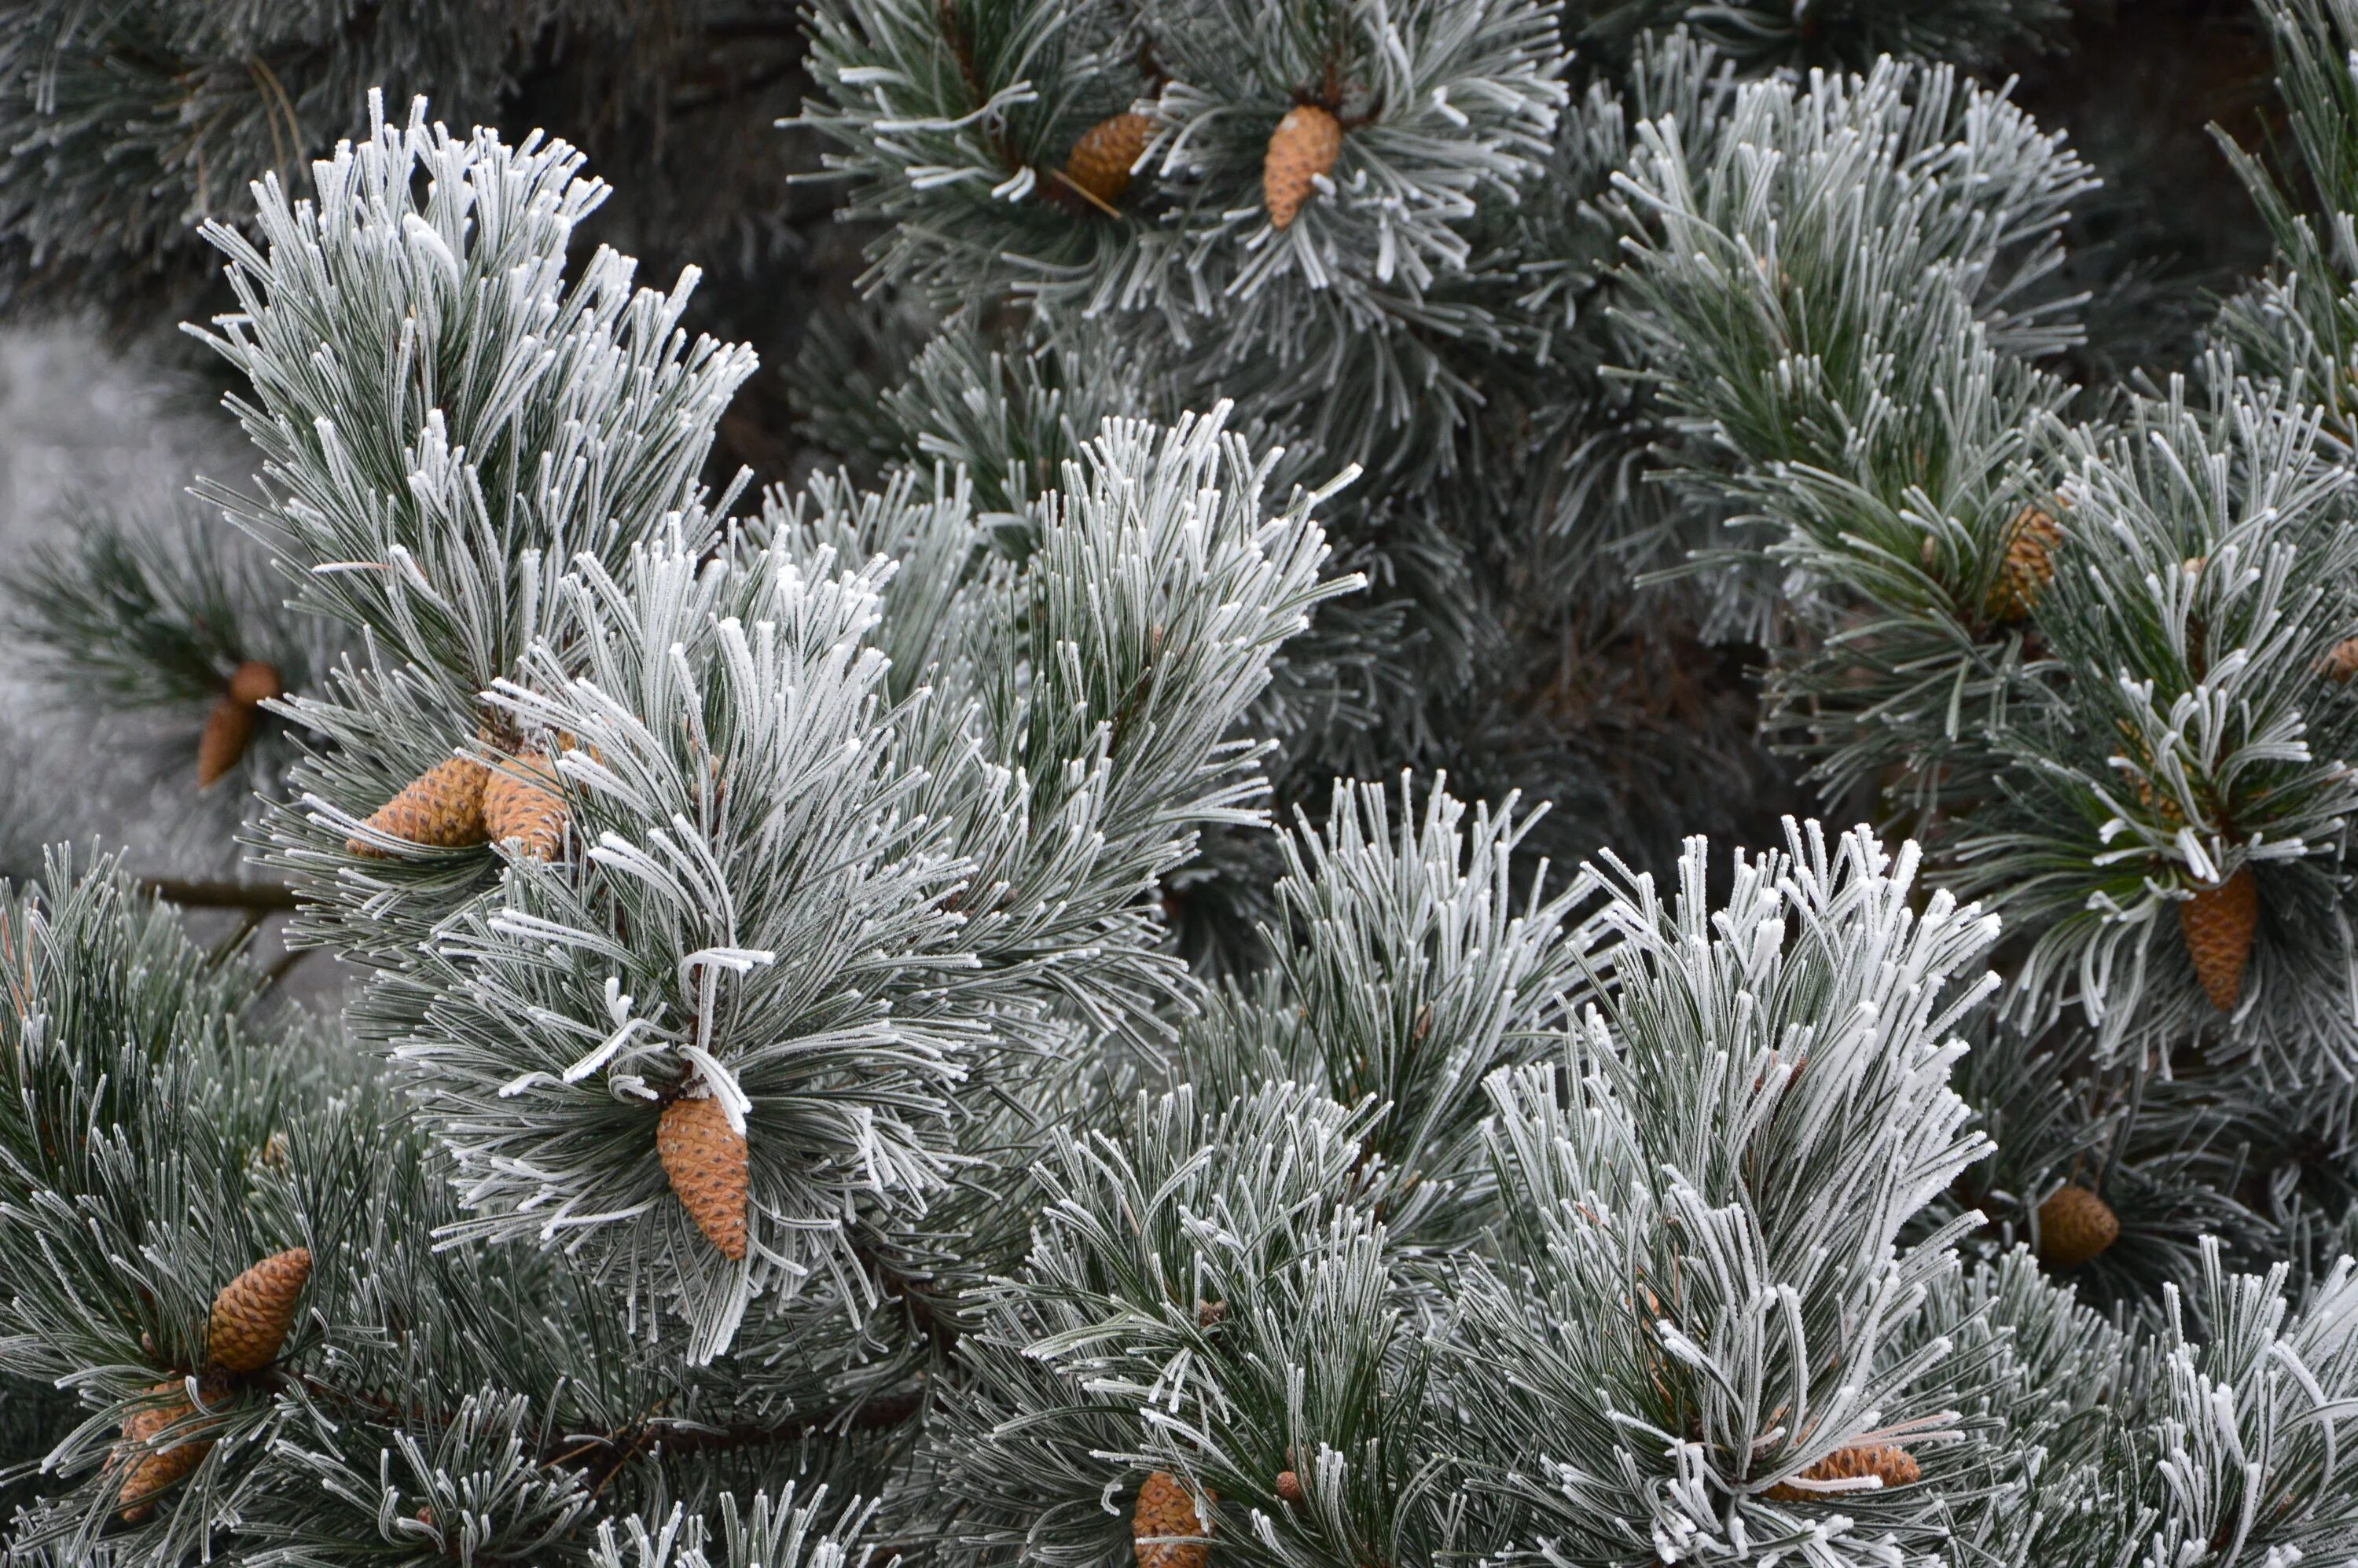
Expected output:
(955, 948)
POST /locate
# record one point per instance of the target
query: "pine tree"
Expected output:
(1101, 943)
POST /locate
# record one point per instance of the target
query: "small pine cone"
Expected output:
(253, 681)
(1304, 146)
(142, 1424)
(229, 727)
(2075, 1224)
(1892, 1466)
(1166, 1509)
(1101, 160)
(2340, 661)
(705, 1158)
(441, 808)
(1288, 1487)
(2149, 798)
(525, 807)
(150, 1473)
(2028, 566)
(253, 1312)
(1209, 1313)
(2218, 923)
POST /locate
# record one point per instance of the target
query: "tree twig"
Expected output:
(204, 894)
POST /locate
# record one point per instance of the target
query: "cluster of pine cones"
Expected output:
(248, 1325)
(1302, 150)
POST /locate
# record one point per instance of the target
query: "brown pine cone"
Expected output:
(525, 808)
(252, 1313)
(147, 1474)
(2340, 661)
(2029, 564)
(1167, 1510)
(441, 808)
(2075, 1224)
(1892, 1466)
(1305, 145)
(142, 1424)
(1101, 161)
(253, 681)
(2218, 923)
(1288, 1487)
(2150, 798)
(705, 1158)
(229, 729)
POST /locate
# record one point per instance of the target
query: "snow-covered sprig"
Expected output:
(1404, 970)
(2298, 322)
(825, 905)
(758, 913)
(1719, 1174)
(2259, 1394)
(1201, 1301)
(1837, 289)
(444, 421)
(2187, 725)
(1767, 34)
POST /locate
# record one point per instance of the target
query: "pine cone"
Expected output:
(142, 1424)
(705, 1158)
(2340, 661)
(229, 727)
(254, 682)
(1288, 1487)
(2150, 798)
(2028, 566)
(1166, 1509)
(253, 1312)
(441, 808)
(2218, 923)
(1101, 160)
(1305, 145)
(150, 1473)
(1892, 1466)
(2075, 1224)
(525, 807)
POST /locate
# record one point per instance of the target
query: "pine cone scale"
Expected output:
(524, 807)
(2025, 567)
(1162, 1521)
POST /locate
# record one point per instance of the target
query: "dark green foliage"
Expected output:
(1713, 410)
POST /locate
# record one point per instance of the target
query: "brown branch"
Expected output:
(611, 1451)
(204, 895)
(601, 1453)
(276, 974)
